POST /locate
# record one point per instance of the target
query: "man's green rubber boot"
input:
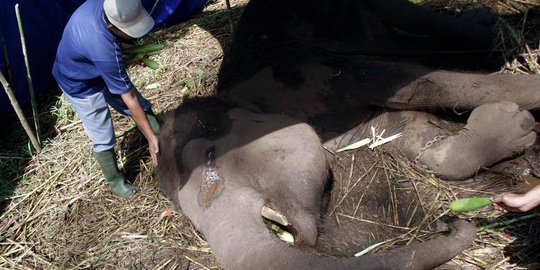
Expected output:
(107, 163)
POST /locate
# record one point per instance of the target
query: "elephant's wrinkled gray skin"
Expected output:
(222, 164)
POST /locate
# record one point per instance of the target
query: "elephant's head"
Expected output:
(227, 178)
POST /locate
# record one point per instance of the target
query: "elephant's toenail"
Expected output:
(527, 121)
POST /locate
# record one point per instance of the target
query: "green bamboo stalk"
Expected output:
(28, 74)
(19, 112)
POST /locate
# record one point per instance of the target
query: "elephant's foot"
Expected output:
(493, 132)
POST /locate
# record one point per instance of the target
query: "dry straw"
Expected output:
(63, 216)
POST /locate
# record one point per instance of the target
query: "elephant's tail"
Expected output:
(250, 245)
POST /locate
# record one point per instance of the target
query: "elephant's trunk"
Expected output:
(426, 255)
(242, 241)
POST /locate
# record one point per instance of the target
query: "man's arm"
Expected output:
(137, 113)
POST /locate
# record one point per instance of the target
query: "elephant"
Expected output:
(295, 86)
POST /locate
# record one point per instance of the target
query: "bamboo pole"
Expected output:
(229, 13)
(28, 74)
(154, 7)
(19, 112)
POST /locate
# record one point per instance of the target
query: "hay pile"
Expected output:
(62, 214)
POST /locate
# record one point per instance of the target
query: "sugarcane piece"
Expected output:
(139, 56)
(282, 234)
(469, 204)
(144, 48)
(150, 63)
(152, 53)
(131, 58)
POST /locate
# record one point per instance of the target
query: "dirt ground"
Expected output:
(62, 215)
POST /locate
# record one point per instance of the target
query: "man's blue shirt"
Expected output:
(89, 56)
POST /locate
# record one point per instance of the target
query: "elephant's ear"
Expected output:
(212, 183)
(177, 129)
(171, 142)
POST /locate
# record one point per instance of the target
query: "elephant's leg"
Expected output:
(408, 86)
(493, 132)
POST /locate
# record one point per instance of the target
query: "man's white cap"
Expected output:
(129, 16)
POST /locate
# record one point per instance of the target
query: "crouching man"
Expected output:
(89, 70)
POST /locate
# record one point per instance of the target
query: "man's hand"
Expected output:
(139, 116)
(511, 202)
(153, 148)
